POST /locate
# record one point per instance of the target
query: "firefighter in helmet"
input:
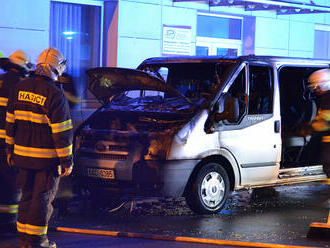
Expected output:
(39, 144)
(16, 67)
(319, 83)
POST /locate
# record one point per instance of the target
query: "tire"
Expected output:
(209, 189)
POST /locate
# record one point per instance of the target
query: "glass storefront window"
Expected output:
(75, 31)
(218, 35)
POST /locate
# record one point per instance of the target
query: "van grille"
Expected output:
(103, 156)
(118, 148)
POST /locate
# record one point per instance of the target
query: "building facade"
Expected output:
(142, 29)
(122, 33)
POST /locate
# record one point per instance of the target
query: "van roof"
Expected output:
(251, 58)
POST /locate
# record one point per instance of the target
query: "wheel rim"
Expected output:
(212, 189)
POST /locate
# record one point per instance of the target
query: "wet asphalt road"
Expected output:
(278, 216)
(68, 240)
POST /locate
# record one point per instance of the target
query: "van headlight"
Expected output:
(183, 135)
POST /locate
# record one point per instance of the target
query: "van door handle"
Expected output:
(277, 126)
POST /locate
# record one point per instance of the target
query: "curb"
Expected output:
(175, 238)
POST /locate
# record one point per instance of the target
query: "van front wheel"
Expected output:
(209, 189)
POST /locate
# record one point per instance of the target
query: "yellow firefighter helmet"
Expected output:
(54, 58)
(21, 58)
(319, 80)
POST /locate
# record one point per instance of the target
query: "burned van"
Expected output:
(200, 127)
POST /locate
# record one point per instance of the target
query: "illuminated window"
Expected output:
(218, 35)
(75, 29)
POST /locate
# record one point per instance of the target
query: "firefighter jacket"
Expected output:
(321, 123)
(38, 125)
(8, 81)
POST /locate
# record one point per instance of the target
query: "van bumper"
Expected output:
(146, 178)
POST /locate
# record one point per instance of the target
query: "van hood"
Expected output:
(105, 82)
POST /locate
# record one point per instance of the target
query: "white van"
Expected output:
(200, 127)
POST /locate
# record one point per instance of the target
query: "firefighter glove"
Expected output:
(64, 171)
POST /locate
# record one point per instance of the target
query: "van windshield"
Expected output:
(193, 80)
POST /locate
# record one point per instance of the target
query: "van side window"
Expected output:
(238, 91)
(260, 90)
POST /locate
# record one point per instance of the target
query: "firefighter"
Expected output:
(320, 85)
(39, 143)
(15, 67)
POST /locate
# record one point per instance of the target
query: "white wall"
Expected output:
(271, 36)
(140, 35)
(288, 35)
(138, 32)
(24, 25)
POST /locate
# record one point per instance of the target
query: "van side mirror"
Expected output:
(230, 111)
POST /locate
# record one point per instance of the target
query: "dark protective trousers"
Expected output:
(9, 194)
(39, 189)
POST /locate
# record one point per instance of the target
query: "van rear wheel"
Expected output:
(209, 189)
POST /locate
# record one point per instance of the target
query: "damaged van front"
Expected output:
(148, 136)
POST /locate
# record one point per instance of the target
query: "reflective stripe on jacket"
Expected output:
(38, 125)
(9, 209)
(31, 229)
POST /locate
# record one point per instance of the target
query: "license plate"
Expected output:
(101, 173)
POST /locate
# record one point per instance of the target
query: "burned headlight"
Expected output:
(159, 146)
(156, 150)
